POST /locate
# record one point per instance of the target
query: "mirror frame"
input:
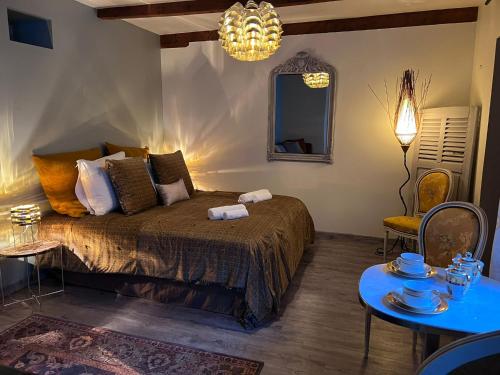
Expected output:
(301, 63)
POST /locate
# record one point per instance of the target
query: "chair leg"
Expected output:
(386, 238)
(368, 323)
(431, 344)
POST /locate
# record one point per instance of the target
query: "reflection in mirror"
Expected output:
(301, 117)
(317, 80)
(301, 110)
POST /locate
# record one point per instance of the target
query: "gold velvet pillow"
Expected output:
(132, 184)
(169, 168)
(130, 152)
(58, 175)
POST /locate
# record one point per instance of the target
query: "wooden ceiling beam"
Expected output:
(388, 21)
(183, 8)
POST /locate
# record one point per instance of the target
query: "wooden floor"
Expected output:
(320, 330)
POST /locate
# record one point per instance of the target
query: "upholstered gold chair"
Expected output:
(451, 228)
(433, 187)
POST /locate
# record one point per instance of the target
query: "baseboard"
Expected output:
(347, 235)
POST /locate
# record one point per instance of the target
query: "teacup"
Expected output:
(411, 263)
(419, 294)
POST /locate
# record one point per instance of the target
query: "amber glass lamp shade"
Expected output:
(251, 32)
(319, 80)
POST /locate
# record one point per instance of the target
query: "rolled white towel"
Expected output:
(246, 198)
(262, 195)
(235, 214)
(217, 213)
(255, 196)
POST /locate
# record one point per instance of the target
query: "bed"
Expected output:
(240, 267)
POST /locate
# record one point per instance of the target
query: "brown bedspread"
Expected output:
(257, 255)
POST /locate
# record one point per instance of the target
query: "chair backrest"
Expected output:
(433, 187)
(476, 354)
(451, 228)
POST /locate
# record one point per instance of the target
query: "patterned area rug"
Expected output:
(43, 345)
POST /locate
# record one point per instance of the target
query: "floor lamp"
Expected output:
(406, 122)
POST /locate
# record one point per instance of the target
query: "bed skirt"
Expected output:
(206, 297)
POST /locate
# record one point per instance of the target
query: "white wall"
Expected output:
(102, 81)
(216, 110)
(487, 32)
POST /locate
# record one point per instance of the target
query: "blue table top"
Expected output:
(477, 312)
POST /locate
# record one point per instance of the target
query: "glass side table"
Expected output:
(31, 250)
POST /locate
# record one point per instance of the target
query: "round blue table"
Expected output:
(477, 312)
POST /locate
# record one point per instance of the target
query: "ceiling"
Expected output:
(290, 14)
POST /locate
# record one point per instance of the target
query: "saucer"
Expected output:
(393, 299)
(427, 304)
(394, 268)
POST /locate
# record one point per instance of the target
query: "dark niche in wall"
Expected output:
(24, 28)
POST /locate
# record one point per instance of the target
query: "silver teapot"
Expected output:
(458, 280)
(473, 267)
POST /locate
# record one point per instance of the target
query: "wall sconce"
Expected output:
(26, 217)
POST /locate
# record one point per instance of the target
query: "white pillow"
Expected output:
(93, 187)
(172, 193)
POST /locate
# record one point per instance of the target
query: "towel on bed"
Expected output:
(217, 213)
(255, 196)
(235, 214)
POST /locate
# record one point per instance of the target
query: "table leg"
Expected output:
(431, 344)
(37, 298)
(415, 339)
(368, 323)
(62, 267)
(38, 274)
(28, 276)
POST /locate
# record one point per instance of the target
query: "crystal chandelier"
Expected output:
(250, 33)
(318, 80)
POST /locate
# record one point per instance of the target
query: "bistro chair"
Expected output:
(433, 187)
(451, 228)
(476, 354)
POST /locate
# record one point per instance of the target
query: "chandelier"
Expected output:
(250, 33)
(318, 80)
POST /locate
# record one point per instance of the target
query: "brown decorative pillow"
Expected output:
(132, 184)
(130, 152)
(58, 175)
(169, 168)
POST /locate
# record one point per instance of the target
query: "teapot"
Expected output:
(457, 280)
(472, 266)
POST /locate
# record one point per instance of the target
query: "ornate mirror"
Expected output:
(301, 110)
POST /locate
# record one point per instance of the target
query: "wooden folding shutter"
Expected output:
(447, 139)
